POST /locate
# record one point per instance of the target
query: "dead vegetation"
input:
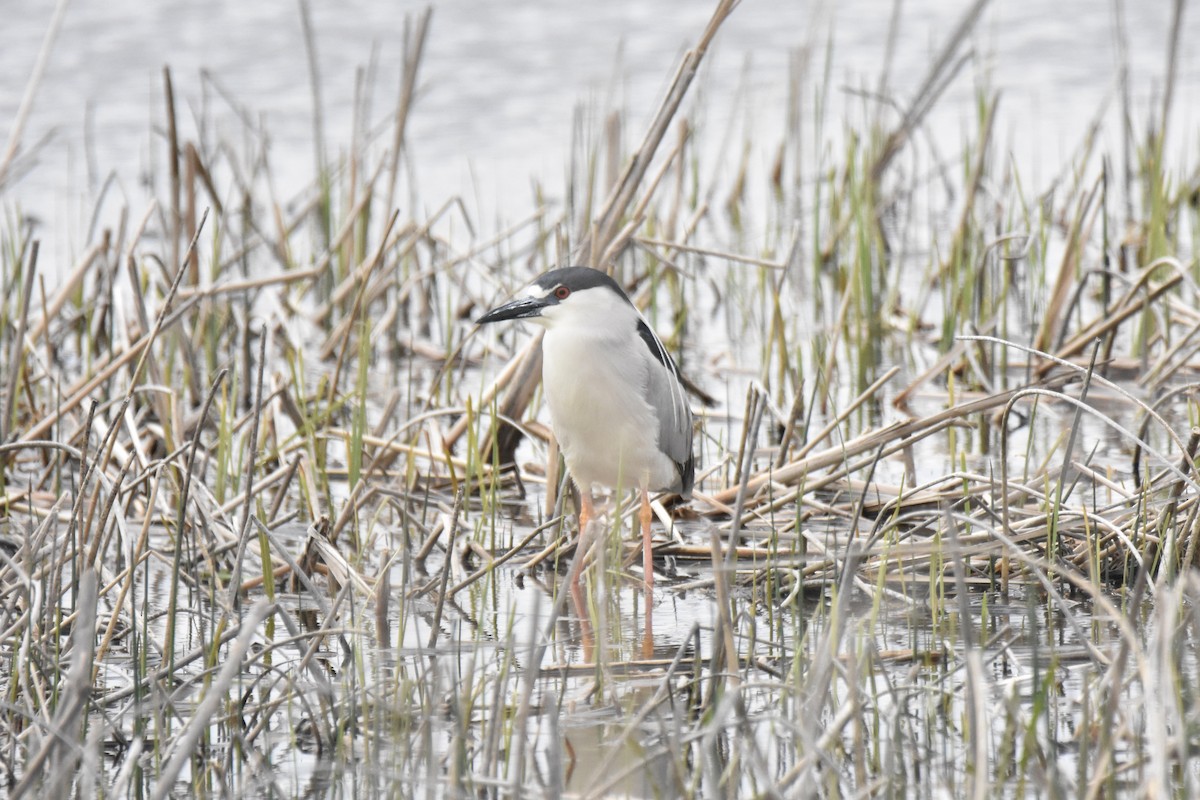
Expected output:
(266, 506)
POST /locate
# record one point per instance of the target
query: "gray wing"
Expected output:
(665, 394)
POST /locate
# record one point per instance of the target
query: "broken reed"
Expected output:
(322, 503)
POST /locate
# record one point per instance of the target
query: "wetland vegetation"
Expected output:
(277, 520)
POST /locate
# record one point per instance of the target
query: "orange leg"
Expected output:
(647, 551)
(586, 639)
(586, 513)
(586, 510)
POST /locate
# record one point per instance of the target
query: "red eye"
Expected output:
(562, 293)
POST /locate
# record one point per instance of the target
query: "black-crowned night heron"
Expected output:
(616, 403)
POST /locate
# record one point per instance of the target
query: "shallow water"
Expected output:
(500, 83)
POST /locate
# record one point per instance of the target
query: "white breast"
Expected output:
(608, 434)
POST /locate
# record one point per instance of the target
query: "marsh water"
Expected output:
(501, 82)
(494, 122)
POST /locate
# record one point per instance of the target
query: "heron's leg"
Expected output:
(586, 510)
(647, 551)
(586, 639)
(587, 513)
